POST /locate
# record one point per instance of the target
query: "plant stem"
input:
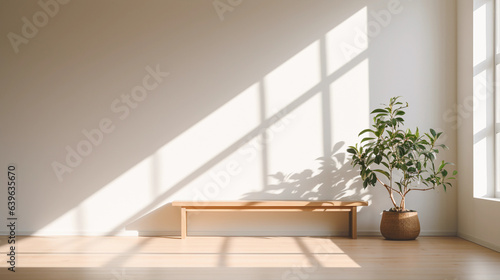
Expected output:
(427, 189)
(390, 190)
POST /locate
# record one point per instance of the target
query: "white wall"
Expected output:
(478, 217)
(301, 73)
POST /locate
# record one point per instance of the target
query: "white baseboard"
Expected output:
(479, 241)
(246, 233)
(224, 233)
(428, 233)
(70, 233)
(369, 233)
(438, 233)
(268, 233)
(175, 233)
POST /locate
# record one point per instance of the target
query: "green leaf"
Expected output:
(383, 172)
(373, 179)
(367, 139)
(365, 131)
(399, 185)
(433, 132)
(443, 146)
(379, 111)
(419, 165)
(432, 157)
(441, 166)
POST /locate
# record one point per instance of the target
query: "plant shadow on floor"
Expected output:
(335, 179)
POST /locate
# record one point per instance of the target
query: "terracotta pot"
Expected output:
(400, 225)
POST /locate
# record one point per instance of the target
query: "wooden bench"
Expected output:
(270, 206)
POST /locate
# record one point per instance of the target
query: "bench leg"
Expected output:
(183, 223)
(353, 223)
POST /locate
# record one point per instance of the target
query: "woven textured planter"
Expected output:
(400, 225)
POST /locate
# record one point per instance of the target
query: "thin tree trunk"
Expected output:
(391, 195)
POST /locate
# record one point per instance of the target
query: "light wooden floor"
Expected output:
(277, 258)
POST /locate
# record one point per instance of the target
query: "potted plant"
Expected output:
(401, 161)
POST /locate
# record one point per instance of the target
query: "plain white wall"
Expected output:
(301, 74)
(478, 217)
